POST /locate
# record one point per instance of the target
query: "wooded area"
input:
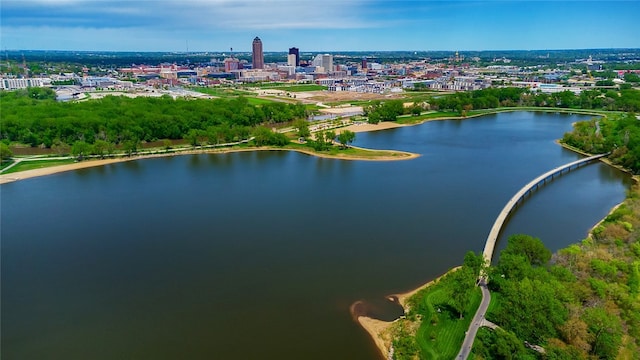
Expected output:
(33, 116)
(618, 134)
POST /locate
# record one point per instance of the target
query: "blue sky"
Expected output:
(217, 25)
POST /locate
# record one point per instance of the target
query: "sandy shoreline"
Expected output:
(379, 330)
(366, 127)
(21, 175)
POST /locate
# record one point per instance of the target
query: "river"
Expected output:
(259, 255)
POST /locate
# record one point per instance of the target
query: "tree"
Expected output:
(346, 137)
(330, 137)
(130, 147)
(80, 149)
(101, 147)
(373, 118)
(462, 284)
(5, 152)
(474, 262)
(606, 331)
(531, 248)
(193, 137)
(303, 128)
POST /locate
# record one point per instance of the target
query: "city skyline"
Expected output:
(355, 25)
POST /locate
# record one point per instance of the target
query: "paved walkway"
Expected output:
(478, 319)
(477, 322)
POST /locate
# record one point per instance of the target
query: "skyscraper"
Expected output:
(296, 52)
(258, 56)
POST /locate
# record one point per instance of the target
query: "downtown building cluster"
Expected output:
(337, 72)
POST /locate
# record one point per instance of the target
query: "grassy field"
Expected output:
(258, 101)
(350, 152)
(291, 87)
(408, 119)
(37, 164)
(221, 92)
(4, 164)
(441, 333)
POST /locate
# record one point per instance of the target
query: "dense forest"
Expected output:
(618, 134)
(463, 103)
(580, 303)
(600, 99)
(33, 116)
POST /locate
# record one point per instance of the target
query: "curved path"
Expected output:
(520, 195)
(478, 318)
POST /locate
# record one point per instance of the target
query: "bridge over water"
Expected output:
(541, 180)
(489, 246)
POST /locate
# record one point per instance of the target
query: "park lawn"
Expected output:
(444, 339)
(291, 87)
(38, 164)
(302, 88)
(258, 101)
(221, 92)
(350, 152)
(6, 163)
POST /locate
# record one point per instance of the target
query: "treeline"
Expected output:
(599, 99)
(464, 102)
(581, 303)
(618, 134)
(33, 117)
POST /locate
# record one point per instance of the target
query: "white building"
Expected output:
(325, 61)
(13, 84)
(291, 60)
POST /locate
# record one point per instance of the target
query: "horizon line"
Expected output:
(318, 51)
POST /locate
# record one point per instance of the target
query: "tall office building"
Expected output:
(325, 61)
(296, 52)
(258, 56)
(291, 60)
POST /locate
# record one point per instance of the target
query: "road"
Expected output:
(476, 322)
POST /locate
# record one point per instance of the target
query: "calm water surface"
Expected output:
(259, 255)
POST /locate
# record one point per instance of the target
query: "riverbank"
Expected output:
(391, 155)
(421, 119)
(379, 330)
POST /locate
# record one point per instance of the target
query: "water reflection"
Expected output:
(212, 245)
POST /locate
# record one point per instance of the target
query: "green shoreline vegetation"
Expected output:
(582, 302)
(119, 125)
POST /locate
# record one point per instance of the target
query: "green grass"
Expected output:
(221, 92)
(38, 164)
(291, 87)
(355, 153)
(449, 330)
(408, 119)
(5, 163)
(258, 101)
(301, 88)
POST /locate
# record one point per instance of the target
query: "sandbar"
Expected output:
(379, 329)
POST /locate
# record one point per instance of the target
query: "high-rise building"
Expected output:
(291, 59)
(295, 51)
(258, 56)
(325, 61)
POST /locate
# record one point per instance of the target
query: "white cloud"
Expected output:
(190, 14)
